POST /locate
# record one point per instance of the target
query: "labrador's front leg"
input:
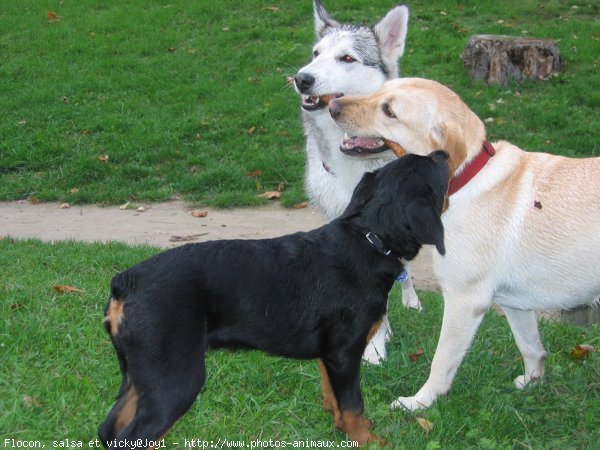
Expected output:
(462, 316)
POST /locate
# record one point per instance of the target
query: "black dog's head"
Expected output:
(402, 202)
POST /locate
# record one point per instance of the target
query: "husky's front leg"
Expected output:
(375, 351)
(410, 299)
(462, 316)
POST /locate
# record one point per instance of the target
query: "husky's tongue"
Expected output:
(361, 145)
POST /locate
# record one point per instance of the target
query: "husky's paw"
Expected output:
(373, 354)
(522, 381)
(412, 403)
(410, 299)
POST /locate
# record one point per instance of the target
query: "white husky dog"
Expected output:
(348, 60)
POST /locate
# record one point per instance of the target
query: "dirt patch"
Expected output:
(167, 225)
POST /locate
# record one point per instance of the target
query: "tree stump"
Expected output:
(583, 315)
(499, 59)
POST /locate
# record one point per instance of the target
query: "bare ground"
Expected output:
(168, 224)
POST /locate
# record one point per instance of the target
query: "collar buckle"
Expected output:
(378, 243)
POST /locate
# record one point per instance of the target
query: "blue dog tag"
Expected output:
(402, 276)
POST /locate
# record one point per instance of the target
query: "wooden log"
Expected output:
(583, 315)
(500, 59)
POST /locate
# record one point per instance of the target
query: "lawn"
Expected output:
(59, 375)
(131, 101)
(114, 101)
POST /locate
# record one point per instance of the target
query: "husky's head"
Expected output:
(350, 59)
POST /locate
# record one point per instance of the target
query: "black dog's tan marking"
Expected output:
(127, 410)
(114, 316)
(310, 295)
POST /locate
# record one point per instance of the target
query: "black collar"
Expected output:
(376, 242)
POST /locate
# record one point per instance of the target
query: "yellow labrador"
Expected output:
(522, 229)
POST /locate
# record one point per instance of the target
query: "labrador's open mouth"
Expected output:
(363, 146)
(314, 102)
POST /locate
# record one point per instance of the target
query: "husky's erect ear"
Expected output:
(361, 195)
(322, 19)
(391, 32)
(426, 224)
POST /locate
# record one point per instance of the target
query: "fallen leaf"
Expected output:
(416, 355)
(281, 187)
(272, 8)
(29, 401)
(300, 205)
(254, 173)
(103, 158)
(271, 195)
(34, 200)
(53, 17)
(250, 131)
(199, 213)
(171, 49)
(141, 209)
(16, 306)
(65, 206)
(74, 191)
(86, 132)
(65, 289)
(125, 206)
(582, 351)
(425, 424)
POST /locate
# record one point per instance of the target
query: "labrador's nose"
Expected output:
(335, 109)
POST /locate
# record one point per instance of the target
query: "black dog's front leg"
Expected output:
(343, 377)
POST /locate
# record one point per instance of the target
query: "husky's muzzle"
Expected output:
(304, 82)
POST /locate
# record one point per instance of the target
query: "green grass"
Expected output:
(59, 375)
(187, 97)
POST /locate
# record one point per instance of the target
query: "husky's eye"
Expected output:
(347, 59)
(388, 111)
(315, 54)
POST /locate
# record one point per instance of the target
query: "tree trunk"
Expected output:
(500, 59)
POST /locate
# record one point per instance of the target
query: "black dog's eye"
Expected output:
(387, 111)
(347, 59)
(315, 54)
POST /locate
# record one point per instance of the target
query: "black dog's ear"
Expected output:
(426, 224)
(361, 195)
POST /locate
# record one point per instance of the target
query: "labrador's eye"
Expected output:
(347, 59)
(315, 54)
(387, 111)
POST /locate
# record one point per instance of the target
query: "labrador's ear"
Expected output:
(426, 224)
(322, 19)
(450, 136)
(363, 192)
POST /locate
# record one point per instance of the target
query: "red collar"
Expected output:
(472, 168)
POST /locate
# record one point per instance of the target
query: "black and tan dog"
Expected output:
(306, 295)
